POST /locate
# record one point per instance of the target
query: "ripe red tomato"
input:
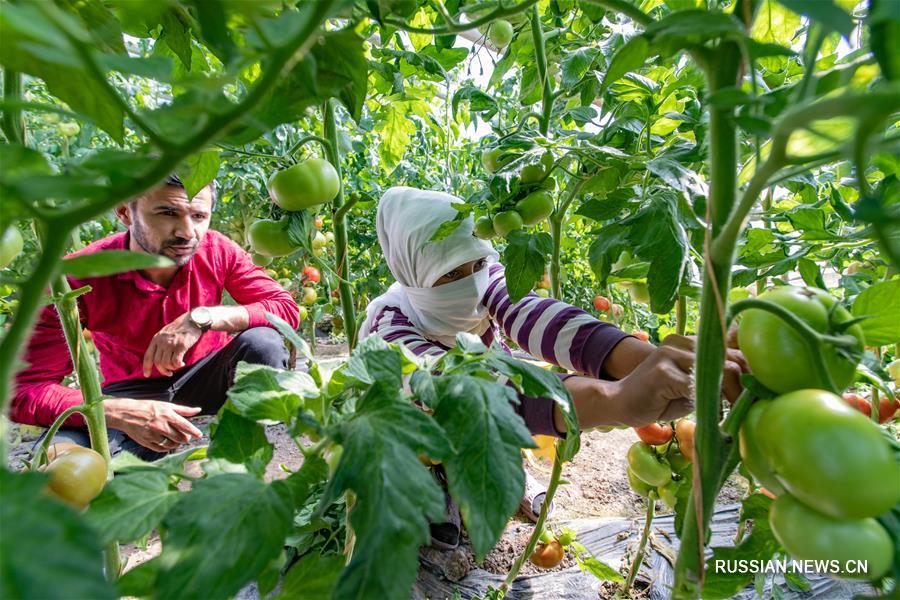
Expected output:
(641, 335)
(780, 358)
(77, 475)
(655, 434)
(886, 406)
(601, 303)
(547, 556)
(684, 432)
(311, 274)
(828, 455)
(319, 223)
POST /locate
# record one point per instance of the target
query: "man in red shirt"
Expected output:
(163, 335)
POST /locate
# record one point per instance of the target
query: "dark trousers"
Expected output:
(202, 384)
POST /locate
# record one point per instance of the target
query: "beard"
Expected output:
(141, 236)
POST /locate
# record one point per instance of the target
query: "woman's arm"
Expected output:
(393, 326)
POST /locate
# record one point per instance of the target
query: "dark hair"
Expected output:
(174, 180)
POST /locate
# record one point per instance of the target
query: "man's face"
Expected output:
(164, 222)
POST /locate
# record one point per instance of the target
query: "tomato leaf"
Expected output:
(47, 550)
(524, 258)
(882, 302)
(261, 392)
(132, 505)
(485, 472)
(198, 171)
(825, 12)
(241, 441)
(312, 577)
(629, 57)
(111, 262)
(221, 535)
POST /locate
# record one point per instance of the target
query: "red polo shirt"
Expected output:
(125, 311)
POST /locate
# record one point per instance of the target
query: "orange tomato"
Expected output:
(601, 303)
(547, 556)
(655, 434)
(641, 335)
(684, 432)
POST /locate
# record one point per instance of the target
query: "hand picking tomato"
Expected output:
(809, 535)
(828, 455)
(780, 358)
(77, 475)
(311, 274)
(547, 556)
(601, 303)
(684, 433)
(647, 466)
(655, 434)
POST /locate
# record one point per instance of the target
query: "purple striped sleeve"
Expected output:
(393, 326)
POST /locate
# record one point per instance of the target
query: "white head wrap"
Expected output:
(407, 219)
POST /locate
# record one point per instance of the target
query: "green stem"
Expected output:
(681, 315)
(39, 458)
(457, 27)
(815, 36)
(555, 476)
(557, 219)
(339, 222)
(326, 144)
(540, 53)
(642, 545)
(13, 121)
(622, 6)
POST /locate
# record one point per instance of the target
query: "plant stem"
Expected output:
(557, 219)
(13, 121)
(540, 53)
(339, 222)
(642, 545)
(681, 315)
(456, 27)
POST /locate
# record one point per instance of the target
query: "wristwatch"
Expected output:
(201, 317)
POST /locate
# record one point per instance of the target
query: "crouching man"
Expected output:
(168, 346)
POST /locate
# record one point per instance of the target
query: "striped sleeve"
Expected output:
(550, 329)
(393, 326)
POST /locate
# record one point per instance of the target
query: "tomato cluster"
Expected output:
(660, 464)
(532, 206)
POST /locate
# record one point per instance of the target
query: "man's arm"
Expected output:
(39, 397)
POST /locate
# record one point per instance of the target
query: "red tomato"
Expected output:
(319, 222)
(547, 556)
(601, 303)
(684, 431)
(311, 274)
(641, 335)
(886, 406)
(655, 434)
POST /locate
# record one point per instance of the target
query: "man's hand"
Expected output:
(160, 426)
(169, 345)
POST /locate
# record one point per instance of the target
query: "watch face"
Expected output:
(201, 317)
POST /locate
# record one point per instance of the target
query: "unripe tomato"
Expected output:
(829, 456)
(270, 238)
(319, 241)
(52, 118)
(77, 475)
(655, 434)
(309, 183)
(668, 493)
(318, 223)
(542, 292)
(500, 33)
(309, 295)
(547, 556)
(678, 461)
(329, 237)
(893, 370)
(11, 245)
(484, 228)
(535, 207)
(647, 466)
(684, 433)
(638, 486)
(601, 303)
(303, 313)
(780, 358)
(337, 322)
(617, 311)
(261, 260)
(311, 274)
(809, 535)
(566, 537)
(495, 158)
(506, 222)
(69, 128)
(753, 457)
(641, 335)
(58, 448)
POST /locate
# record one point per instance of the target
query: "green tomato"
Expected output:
(543, 293)
(647, 466)
(678, 461)
(507, 221)
(500, 33)
(739, 293)
(77, 475)
(52, 118)
(809, 535)
(270, 238)
(638, 290)
(638, 486)
(261, 260)
(69, 128)
(829, 455)
(484, 228)
(319, 241)
(11, 245)
(303, 313)
(309, 183)
(537, 172)
(329, 237)
(668, 493)
(780, 358)
(755, 461)
(535, 207)
(309, 295)
(495, 159)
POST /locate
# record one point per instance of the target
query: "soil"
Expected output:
(595, 485)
